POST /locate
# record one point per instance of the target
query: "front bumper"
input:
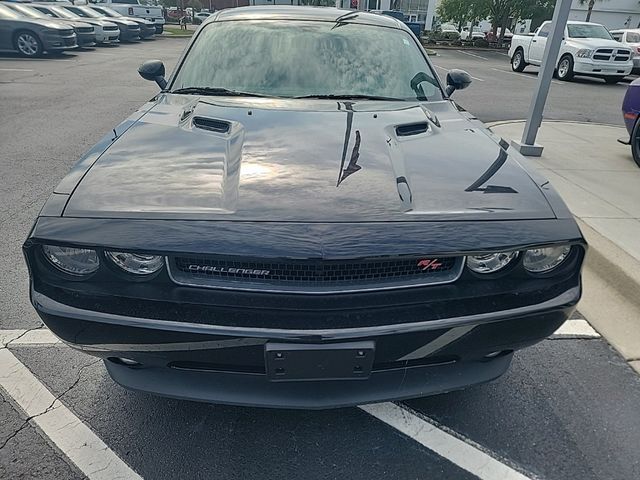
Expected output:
(129, 34)
(226, 364)
(587, 66)
(53, 42)
(86, 39)
(109, 36)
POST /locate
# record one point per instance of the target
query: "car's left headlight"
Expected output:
(490, 262)
(584, 53)
(136, 263)
(542, 260)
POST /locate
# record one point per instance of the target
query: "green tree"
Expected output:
(590, 4)
(462, 11)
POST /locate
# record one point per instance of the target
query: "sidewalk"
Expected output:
(600, 183)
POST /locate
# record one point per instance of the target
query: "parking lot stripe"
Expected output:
(576, 329)
(523, 75)
(454, 447)
(75, 439)
(16, 70)
(472, 54)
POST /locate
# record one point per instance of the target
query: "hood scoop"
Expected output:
(211, 124)
(412, 129)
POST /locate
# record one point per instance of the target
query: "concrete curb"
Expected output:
(611, 279)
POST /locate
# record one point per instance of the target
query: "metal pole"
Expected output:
(527, 145)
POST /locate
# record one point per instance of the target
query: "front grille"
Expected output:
(84, 29)
(612, 54)
(313, 276)
(134, 27)
(110, 29)
(69, 42)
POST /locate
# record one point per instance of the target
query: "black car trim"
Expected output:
(49, 306)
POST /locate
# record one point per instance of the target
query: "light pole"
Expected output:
(527, 145)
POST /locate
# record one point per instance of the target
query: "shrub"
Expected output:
(480, 42)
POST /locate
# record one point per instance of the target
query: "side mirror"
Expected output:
(457, 80)
(153, 70)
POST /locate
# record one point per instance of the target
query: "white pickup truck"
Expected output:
(587, 49)
(134, 8)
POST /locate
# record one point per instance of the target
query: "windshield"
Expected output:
(295, 58)
(29, 11)
(108, 11)
(64, 13)
(585, 30)
(85, 12)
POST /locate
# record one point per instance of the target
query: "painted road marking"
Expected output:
(75, 439)
(576, 329)
(446, 70)
(15, 70)
(555, 82)
(455, 448)
(472, 54)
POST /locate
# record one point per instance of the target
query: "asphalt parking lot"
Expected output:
(567, 409)
(498, 93)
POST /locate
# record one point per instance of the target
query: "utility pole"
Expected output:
(528, 146)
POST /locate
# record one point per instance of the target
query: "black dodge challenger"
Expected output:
(303, 218)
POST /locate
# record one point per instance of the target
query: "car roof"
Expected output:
(286, 12)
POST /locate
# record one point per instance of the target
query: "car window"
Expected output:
(617, 36)
(586, 30)
(544, 30)
(302, 58)
(633, 37)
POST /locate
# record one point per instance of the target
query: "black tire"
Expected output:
(27, 44)
(635, 143)
(565, 68)
(517, 61)
(612, 80)
(159, 29)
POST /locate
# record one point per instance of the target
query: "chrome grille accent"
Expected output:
(315, 275)
(612, 54)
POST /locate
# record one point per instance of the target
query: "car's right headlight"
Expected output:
(73, 261)
(584, 53)
(542, 260)
(490, 262)
(136, 263)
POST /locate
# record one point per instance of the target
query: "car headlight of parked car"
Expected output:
(542, 260)
(136, 263)
(584, 53)
(490, 262)
(73, 261)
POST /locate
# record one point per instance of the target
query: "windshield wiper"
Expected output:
(223, 92)
(352, 97)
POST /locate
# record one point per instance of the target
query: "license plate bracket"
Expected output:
(335, 361)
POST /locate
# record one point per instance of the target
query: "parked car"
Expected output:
(134, 8)
(106, 32)
(129, 29)
(147, 28)
(31, 37)
(490, 37)
(630, 114)
(587, 49)
(85, 33)
(467, 34)
(303, 239)
(200, 17)
(630, 38)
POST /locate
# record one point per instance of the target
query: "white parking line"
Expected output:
(472, 54)
(75, 439)
(446, 70)
(576, 329)
(455, 448)
(555, 82)
(15, 70)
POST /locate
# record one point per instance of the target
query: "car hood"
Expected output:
(597, 43)
(310, 161)
(99, 22)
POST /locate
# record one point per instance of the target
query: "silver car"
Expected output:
(31, 37)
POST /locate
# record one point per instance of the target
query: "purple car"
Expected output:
(631, 112)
